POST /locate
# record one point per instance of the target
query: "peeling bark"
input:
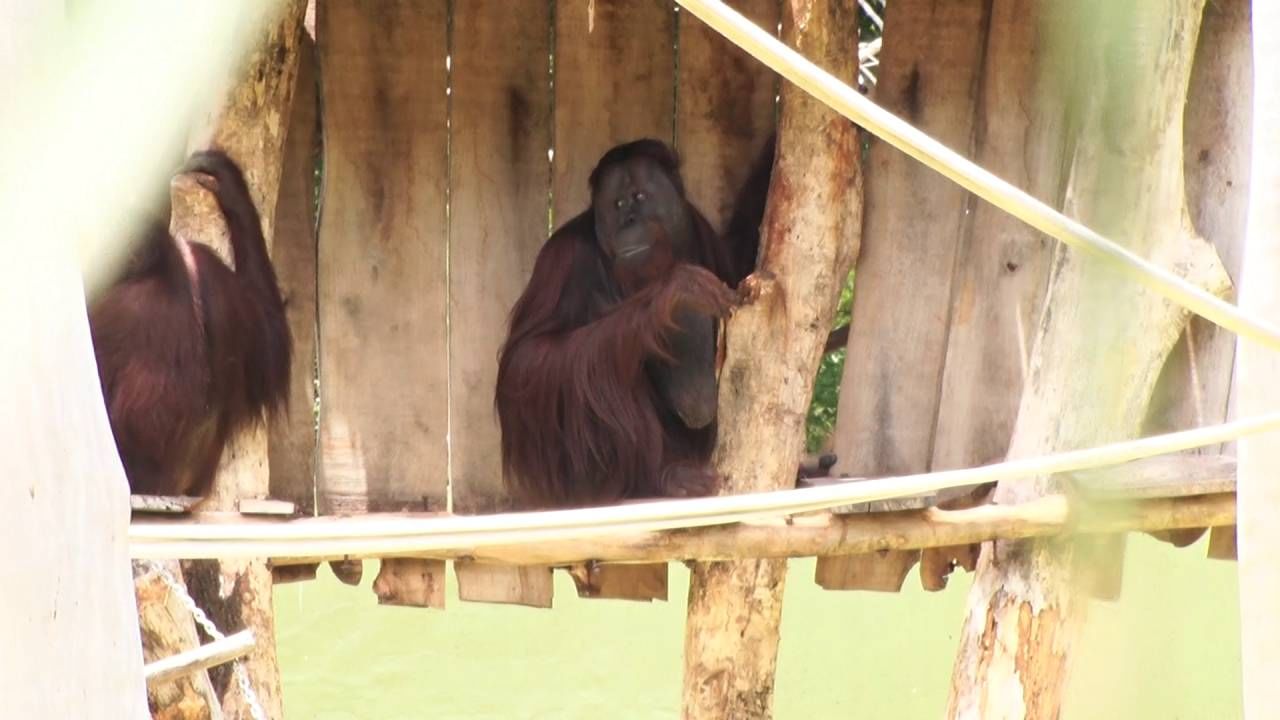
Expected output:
(773, 345)
(1101, 341)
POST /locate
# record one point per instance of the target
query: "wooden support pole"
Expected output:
(774, 342)
(1102, 339)
(1258, 531)
(250, 126)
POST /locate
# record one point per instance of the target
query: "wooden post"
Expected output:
(382, 280)
(614, 73)
(1257, 369)
(1196, 385)
(1101, 341)
(69, 609)
(929, 70)
(501, 88)
(251, 128)
(774, 343)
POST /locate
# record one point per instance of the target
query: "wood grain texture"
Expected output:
(383, 362)
(500, 174)
(1001, 271)
(292, 438)
(382, 265)
(614, 82)
(929, 74)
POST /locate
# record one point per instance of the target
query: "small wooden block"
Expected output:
(348, 572)
(882, 571)
(285, 574)
(413, 582)
(621, 582)
(529, 586)
(1222, 543)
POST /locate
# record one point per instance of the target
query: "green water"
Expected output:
(1168, 649)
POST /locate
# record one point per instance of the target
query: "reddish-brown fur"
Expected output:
(189, 352)
(582, 421)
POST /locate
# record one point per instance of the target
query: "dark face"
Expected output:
(642, 221)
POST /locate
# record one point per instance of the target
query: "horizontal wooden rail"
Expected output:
(822, 533)
(218, 652)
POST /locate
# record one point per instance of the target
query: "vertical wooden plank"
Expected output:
(930, 66)
(614, 82)
(500, 177)
(292, 439)
(725, 109)
(1001, 273)
(1256, 371)
(382, 292)
(1195, 386)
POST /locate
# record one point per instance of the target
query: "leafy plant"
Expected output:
(826, 385)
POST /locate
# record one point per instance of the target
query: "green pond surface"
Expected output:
(1167, 649)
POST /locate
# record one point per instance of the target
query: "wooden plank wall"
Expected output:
(433, 207)
(499, 170)
(382, 270)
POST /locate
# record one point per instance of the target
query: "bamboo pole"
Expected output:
(802, 536)
(849, 102)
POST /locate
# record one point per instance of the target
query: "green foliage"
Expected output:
(826, 385)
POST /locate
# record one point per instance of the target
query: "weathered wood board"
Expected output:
(500, 177)
(929, 73)
(382, 261)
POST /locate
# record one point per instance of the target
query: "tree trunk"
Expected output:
(167, 629)
(250, 127)
(1101, 341)
(773, 345)
(1257, 368)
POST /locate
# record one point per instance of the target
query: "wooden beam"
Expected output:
(799, 536)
